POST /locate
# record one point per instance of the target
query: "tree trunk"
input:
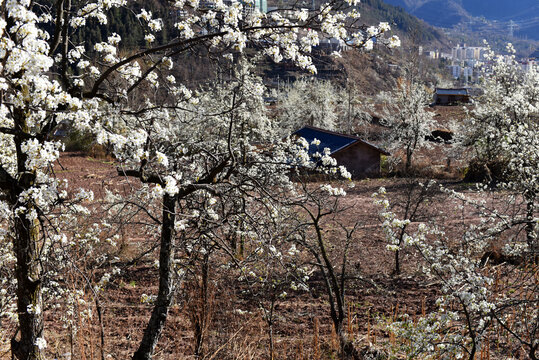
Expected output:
(270, 329)
(473, 351)
(349, 351)
(29, 295)
(533, 350)
(531, 236)
(271, 350)
(26, 247)
(408, 163)
(397, 263)
(155, 326)
(201, 323)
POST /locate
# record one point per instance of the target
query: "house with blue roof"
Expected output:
(360, 158)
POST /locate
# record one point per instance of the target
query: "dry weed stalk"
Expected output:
(201, 308)
(299, 350)
(368, 328)
(352, 330)
(392, 339)
(396, 314)
(316, 340)
(334, 339)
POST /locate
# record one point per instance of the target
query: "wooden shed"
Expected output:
(360, 158)
(451, 96)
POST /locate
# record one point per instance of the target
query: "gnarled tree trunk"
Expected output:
(26, 247)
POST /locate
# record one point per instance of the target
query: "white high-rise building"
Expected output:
(467, 53)
(455, 71)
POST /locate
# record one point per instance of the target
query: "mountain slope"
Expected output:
(502, 9)
(498, 15)
(404, 24)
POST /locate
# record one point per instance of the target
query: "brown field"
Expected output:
(235, 328)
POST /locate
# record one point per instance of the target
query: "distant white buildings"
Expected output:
(528, 64)
(465, 60)
(467, 72)
(462, 72)
(464, 53)
(455, 71)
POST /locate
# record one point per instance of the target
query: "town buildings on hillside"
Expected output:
(465, 60)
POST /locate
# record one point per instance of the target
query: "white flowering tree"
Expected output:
(458, 325)
(505, 102)
(32, 103)
(132, 103)
(357, 110)
(477, 301)
(323, 104)
(411, 208)
(328, 241)
(406, 115)
(308, 102)
(504, 129)
(273, 267)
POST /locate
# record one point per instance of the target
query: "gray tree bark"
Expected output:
(26, 247)
(153, 330)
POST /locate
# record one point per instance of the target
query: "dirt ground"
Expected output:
(236, 329)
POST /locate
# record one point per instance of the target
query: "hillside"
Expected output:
(405, 25)
(372, 12)
(375, 11)
(498, 17)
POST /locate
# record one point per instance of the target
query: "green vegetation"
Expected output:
(123, 21)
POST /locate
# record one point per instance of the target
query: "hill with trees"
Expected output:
(124, 22)
(406, 25)
(499, 16)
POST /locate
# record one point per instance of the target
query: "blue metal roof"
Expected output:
(452, 91)
(332, 140)
(329, 140)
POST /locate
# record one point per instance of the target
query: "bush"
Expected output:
(77, 141)
(492, 172)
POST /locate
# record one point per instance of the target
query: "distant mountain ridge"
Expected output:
(405, 24)
(521, 15)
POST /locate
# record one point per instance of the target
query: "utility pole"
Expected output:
(512, 26)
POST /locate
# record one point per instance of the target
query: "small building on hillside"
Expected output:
(360, 158)
(451, 96)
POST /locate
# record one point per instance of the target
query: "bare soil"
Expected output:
(236, 329)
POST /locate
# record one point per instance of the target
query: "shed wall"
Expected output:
(451, 99)
(360, 160)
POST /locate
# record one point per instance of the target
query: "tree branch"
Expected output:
(183, 43)
(8, 131)
(58, 26)
(110, 70)
(6, 180)
(142, 175)
(153, 178)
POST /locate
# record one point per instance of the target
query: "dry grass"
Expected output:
(303, 328)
